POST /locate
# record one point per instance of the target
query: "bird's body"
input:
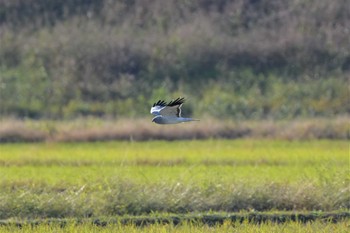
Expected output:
(169, 113)
(170, 120)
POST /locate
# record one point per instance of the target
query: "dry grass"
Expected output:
(143, 130)
(17, 131)
(337, 128)
(126, 198)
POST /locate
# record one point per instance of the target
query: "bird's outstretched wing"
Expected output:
(173, 108)
(157, 107)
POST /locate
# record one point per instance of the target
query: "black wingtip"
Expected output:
(177, 101)
(160, 103)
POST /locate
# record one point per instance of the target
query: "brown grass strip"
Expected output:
(87, 130)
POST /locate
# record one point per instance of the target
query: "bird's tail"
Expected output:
(189, 119)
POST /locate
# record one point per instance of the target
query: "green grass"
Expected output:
(57, 180)
(186, 161)
(290, 153)
(187, 227)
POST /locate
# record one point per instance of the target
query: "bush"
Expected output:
(59, 59)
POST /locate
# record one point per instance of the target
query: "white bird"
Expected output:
(169, 113)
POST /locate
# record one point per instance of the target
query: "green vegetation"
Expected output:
(233, 59)
(78, 180)
(188, 227)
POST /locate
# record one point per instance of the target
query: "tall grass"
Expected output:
(187, 227)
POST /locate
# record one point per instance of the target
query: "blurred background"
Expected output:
(241, 59)
(268, 71)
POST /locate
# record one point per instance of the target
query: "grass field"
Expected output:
(109, 179)
(319, 227)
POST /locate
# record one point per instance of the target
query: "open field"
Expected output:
(79, 180)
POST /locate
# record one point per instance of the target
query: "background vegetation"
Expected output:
(241, 58)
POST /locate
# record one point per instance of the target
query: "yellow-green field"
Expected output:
(185, 162)
(290, 227)
(113, 179)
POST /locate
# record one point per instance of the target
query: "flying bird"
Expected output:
(169, 113)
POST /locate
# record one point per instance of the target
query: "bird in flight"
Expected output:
(169, 113)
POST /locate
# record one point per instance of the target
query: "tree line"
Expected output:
(233, 59)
